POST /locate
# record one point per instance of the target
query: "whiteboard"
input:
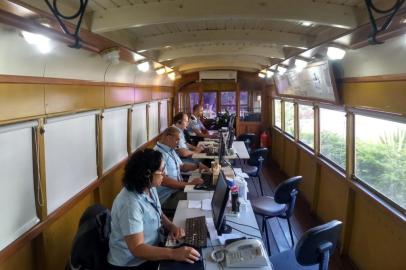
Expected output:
(163, 115)
(139, 126)
(17, 197)
(114, 136)
(70, 156)
(316, 81)
(153, 120)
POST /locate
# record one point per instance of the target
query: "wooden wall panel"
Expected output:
(289, 161)
(277, 147)
(21, 100)
(112, 184)
(332, 194)
(23, 259)
(307, 169)
(142, 94)
(384, 96)
(117, 96)
(58, 237)
(378, 241)
(65, 98)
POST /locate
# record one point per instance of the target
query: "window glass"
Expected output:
(306, 125)
(210, 104)
(289, 118)
(277, 110)
(228, 102)
(243, 104)
(380, 156)
(332, 135)
(193, 99)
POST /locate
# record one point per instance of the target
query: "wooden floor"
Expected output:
(302, 220)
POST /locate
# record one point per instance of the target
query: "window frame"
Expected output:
(308, 147)
(291, 136)
(274, 114)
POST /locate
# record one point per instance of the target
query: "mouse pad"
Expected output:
(172, 265)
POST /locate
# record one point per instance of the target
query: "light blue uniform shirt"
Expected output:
(133, 213)
(195, 123)
(182, 141)
(172, 169)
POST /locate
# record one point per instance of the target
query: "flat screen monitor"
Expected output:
(218, 204)
(231, 122)
(230, 138)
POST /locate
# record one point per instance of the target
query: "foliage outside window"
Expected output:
(210, 105)
(277, 111)
(380, 156)
(228, 102)
(289, 118)
(333, 136)
(306, 125)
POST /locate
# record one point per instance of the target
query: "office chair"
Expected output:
(249, 140)
(313, 250)
(254, 164)
(281, 205)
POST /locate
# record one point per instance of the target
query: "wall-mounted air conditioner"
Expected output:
(218, 75)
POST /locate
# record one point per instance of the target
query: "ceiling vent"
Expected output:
(218, 75)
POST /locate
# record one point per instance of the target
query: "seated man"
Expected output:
(171, 190)
(185, 150)
(196, 126)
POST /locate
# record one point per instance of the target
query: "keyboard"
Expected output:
(196, 232)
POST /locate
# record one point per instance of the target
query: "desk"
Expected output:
(246, 217)
(238, 147)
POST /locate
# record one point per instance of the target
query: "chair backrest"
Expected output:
(248, 139)
(286, 192)
(317, 244)
(91, 243)
(257, 156)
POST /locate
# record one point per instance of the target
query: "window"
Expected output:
(332, 135)
(380, 156)
(193, 99)
(228, 102)
(210, 104)
(277, 110)
(243, 104)
(289, 118)
(306, 125)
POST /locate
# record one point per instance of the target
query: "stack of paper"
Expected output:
(194, 204)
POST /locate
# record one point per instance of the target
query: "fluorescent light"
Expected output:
(306, 23)
(141, 51)
(261, 75)
(160, 71)
(137, 57)
(144, 66)
(269, 73)
(42, 43)
(335, 53)
(281, 70)
(172, 76)
(300, 64)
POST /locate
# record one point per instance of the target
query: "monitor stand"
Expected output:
(224, 228)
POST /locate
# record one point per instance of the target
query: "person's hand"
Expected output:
(186, 254)
(176, 232)
(203, 167)
(196, 181)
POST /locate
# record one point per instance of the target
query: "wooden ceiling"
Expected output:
(193, 35)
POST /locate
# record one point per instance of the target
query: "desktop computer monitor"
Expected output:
(231, 122)
(230, 138)
(222, 150)
(218, 205)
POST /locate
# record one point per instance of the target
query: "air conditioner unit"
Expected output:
(218, 75)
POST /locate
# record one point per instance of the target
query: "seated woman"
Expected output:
(137, 218)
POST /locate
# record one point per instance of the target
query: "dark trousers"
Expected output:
(145, 266)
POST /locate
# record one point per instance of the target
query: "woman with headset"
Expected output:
(137, 218)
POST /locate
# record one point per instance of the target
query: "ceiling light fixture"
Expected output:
(261, 75)
(143, 67)
(111, 55)
(300, 64)
(335, 53)
(172, 76)
(269, 73)
(307, 24)
(137, 57)
(160, 71)
(42, 42)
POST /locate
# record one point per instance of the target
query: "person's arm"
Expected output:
(174, 231)
(183, 152)
(138, 248)
(185, 167)
(199, 133)
(173, 183)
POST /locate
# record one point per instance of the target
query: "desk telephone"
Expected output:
(242, 253)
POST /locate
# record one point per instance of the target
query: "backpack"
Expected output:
(91, 243)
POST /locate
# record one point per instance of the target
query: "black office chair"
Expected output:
(249, 139)
(281, 205)
(254, 164)
(313, 250)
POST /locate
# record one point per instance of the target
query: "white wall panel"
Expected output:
(153, 120)
(139, 126)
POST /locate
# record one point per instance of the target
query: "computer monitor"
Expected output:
(230, 138)
(218, 205)
(231, 122)
(222, 149)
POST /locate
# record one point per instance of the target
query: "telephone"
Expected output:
(243, 253)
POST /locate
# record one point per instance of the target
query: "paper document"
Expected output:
(212, 230)
(194, 204)
(206, 204)
(240, 173)
(226, 236)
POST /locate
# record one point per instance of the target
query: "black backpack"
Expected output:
(91, 244)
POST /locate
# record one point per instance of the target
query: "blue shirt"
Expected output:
(133, 213)
(195, 123)
(182, 141)
(172, 169)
